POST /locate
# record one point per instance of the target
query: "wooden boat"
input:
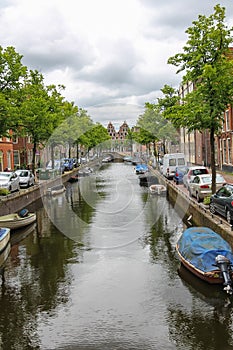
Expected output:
(4, 238)
(207, 255)
(85, 171)
(158, 189)
(17, 220)
(55, 190)
(147, 179)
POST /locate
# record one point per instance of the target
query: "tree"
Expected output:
(12, 73)
(206, 63)
(39, 110)
(154, 126)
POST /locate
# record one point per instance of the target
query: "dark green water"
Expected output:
(99, 272)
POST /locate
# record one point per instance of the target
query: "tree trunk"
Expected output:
(213, 168)
(34, 157)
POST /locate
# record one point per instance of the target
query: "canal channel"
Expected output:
(99, 271)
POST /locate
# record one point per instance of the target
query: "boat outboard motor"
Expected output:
(225, 267)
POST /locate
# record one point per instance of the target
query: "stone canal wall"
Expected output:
(18, 200)
(196, 213)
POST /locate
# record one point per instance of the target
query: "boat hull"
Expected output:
(4, 238)
(14, 221)
(212, 277)
(198, 248)
(158, 189)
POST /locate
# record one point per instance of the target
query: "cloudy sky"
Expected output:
(111, 55)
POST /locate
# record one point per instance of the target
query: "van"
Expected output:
(170, 162)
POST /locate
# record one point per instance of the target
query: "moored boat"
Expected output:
(207, 255)
(17, 220)
(147, 179)
(4, 238)
(55, 190)
(141, 168)
(158, 189)
(74, 178)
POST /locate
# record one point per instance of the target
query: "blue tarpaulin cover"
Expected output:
(200, 245)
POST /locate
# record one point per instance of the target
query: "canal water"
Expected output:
(99, 271)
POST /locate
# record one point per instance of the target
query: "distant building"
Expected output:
(118, 135)
(119, 138)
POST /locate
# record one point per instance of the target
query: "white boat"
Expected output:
(53, 191)
(158, 189)
(4, 238)
(17, 220)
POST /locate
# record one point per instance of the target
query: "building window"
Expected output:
(228, 151)
(29, 139)
(30, 153)
(16, 158)
(1, 161)
(9, 159)
(15, 138)
(227, 120)
(224, 151)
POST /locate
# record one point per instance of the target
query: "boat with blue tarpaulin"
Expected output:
(207, 255)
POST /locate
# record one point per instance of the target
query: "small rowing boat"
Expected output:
(4, 238)
(158, 189)
(17, 220)
(207, 255)
(55, 190)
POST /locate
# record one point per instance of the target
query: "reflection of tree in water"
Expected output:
(37, 280)
(194, 330)
(163, 234)
(83, 196)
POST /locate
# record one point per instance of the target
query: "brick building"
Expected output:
(6, 153)
(118, 135)
(22, 147)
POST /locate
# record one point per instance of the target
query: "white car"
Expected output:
(26, 178)
(9, 180)
(201, 186)
(191, 172)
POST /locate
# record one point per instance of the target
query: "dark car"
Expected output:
(180, 171)
(221, 202)
(68, 164)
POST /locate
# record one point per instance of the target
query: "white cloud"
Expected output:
(108, 54)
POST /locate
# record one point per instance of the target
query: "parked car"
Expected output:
(221, 202)
(75, 162)
(180, 171)
(68, 164)
(58, 166)
(192, 172)
(200, 186)
(9, 180)
(26, 178)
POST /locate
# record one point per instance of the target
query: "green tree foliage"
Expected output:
(206, 63)
(39, 111)
(12, 73)
(95, 136)
(154, 126)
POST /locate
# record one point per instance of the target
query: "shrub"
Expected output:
(206, 200)
(4, 192)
